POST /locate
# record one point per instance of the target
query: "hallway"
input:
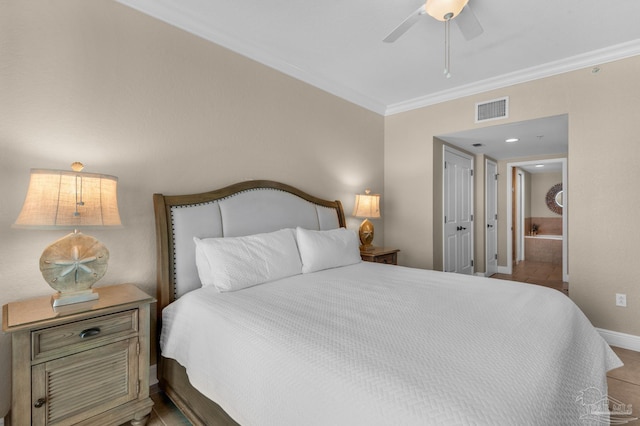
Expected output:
(540, 273)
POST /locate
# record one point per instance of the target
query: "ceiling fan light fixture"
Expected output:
(444, 10)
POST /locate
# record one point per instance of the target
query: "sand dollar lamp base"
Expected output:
(71, 265)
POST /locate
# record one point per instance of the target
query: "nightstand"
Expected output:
(380, 255)
(85, 364)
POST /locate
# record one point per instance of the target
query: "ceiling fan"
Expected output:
(445, 11)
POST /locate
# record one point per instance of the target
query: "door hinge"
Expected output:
(138, 388)
(471, 172)
(445, 219)
(496, 217)
(496, 256)
(496, 176)
(471, 218)
(472, 263)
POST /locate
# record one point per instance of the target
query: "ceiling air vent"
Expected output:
(494, 109)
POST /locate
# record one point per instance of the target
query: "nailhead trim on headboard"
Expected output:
(327, 214)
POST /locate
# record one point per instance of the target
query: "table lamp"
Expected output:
(367, 206)
(58, 199)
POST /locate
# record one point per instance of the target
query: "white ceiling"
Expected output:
(336, 45)
(540, 137)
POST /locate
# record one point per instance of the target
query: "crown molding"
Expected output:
(171, 14)
(573, 63)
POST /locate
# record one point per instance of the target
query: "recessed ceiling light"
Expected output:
(512, 140)
(539, 165)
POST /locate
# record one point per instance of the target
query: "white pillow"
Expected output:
(235, 263)
(327, 249)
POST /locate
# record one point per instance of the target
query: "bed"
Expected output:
(267, 316)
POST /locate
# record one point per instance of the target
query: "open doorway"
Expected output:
(538, 221)
(533, 141)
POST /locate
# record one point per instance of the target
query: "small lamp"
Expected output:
(58, 199)
(368, 207)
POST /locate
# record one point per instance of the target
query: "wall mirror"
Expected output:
(555, 199)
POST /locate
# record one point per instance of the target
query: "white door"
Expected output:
(519, 225)
(458, 212)
(491, 236)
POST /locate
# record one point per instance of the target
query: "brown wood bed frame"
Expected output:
(172, 376)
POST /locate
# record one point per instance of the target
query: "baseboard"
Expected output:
(1, 421)
(620, 340)
(504, 270)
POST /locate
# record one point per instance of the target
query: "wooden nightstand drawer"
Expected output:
(82, 335)
(380, 255)
(391, 259)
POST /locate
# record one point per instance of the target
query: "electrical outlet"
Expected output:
(621, 300)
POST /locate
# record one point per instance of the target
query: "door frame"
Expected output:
(565, 216)
(471, 158)
(520, 209)
(494, 184)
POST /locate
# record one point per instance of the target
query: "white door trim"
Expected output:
(565, 199)
(520, 209)
(487, 212)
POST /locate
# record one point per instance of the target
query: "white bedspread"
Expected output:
(371, 344)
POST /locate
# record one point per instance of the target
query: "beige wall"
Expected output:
(541, 183)
(604, 150)
(97, 82)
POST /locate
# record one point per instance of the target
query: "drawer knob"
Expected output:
(89, 332)
(40, 402)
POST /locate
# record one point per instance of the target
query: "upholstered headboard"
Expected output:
(245, 208)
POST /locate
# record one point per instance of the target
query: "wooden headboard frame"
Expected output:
(163, 205)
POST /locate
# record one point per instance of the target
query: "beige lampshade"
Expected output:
(67, 199)
(438, 9)
(367, 205)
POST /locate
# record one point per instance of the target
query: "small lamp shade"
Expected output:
(71, 199)
(439, 9)
(65, 199)
(366, 206)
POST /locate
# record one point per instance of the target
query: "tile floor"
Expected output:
(540, 273)
(624, 383)
(164, 412)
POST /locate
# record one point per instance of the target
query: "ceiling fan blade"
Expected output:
(405, 25)
(468, 23)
